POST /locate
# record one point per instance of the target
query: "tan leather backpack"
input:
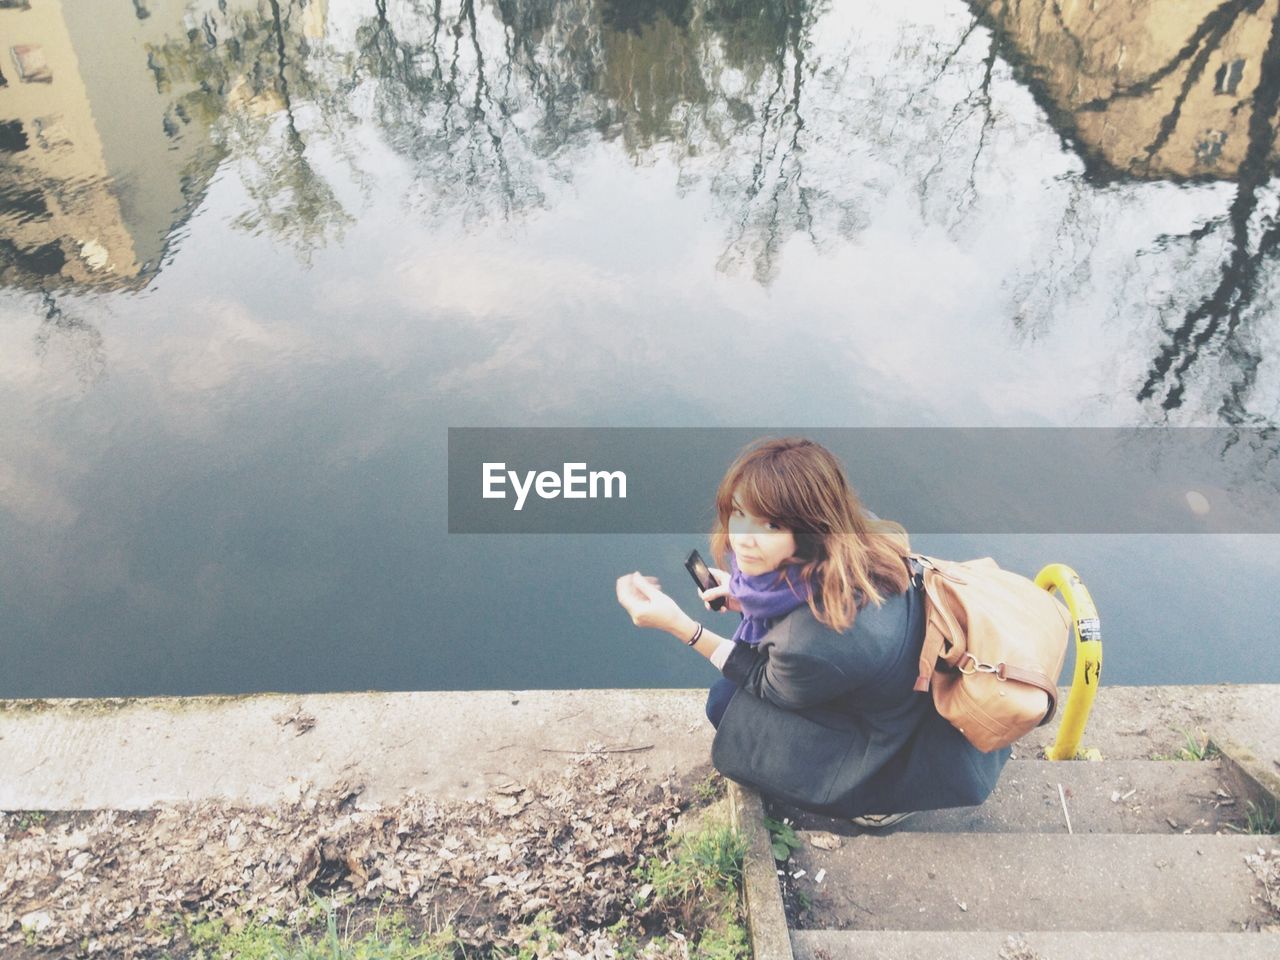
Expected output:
(994, 644)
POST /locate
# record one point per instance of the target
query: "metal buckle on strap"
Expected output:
(977, 666)
(917, 573)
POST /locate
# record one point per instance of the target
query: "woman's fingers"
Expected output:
(638, 594)
(647, 605)
(647, 587)
(633, 600)
(630, 591)
(625, 590)
(714, 593)
(723, 576)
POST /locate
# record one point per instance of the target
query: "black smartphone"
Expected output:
(698, 569)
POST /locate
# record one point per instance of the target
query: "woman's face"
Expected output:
(758, 544)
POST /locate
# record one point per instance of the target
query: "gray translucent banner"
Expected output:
(931, 480)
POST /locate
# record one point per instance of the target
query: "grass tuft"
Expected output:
(1261, 818)
(24, 820)
(212, 938)
(709, 790)
(705, 862)
(1195, 746)
(698, 881)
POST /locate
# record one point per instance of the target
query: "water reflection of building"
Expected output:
(652, 73)
(99, 162)
(1150, 88)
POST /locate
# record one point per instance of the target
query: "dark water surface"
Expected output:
(257, 257)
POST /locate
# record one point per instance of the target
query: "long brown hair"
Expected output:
(847, 558)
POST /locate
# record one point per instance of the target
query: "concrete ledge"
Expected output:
(1133, 723)
(1255, 778)
(135, 754)
(1117, 883)
(1038, 944)
(766, 915)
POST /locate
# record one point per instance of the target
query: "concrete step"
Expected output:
(1036, 945)
(1138, 723)
(1150, 796)
(1003, 882)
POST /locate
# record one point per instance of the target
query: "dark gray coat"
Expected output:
(829, 721)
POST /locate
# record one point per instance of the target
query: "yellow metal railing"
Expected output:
(1084, 685)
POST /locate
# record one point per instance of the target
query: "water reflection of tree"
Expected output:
(490, 105)
(767, 40)
(1220, 317)
(256, 77)
(1221, 266)
(486, 125)
(83, 341)
(456, 112)
(952, 89)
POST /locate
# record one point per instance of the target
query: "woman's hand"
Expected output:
(648, 606)
(720, 590)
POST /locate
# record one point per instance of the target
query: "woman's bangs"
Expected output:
(762, 492)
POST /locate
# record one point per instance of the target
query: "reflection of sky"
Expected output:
(251, 495)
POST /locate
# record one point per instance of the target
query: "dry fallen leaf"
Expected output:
(825, 841)
(299, 719)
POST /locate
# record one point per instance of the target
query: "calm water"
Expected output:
(257, 257)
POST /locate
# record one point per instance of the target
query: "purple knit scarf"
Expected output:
(765, 597)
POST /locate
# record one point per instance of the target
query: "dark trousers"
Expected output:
(718, 698)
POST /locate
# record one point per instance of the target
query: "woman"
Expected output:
(817, 706)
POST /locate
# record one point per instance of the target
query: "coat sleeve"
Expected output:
(790, 679)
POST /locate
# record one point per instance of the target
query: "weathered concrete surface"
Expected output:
(915, 881)
(85, 754)
(1117, 796)
(1242, 720)
(766, 915)
(1127, 883)
(1034, 945)
(128, 755)
(1135, 723)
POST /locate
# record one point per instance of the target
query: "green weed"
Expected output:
(1260, 819)
(702, 862)
(698, 881)
(540, 939)
(725, 942)
(709, 790)
(390, 939)
(623, 935)
(24, 820)
(782, 837)
(1196, 746)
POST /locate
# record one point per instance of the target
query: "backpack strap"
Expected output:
(1036, 679)
(923, 572)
